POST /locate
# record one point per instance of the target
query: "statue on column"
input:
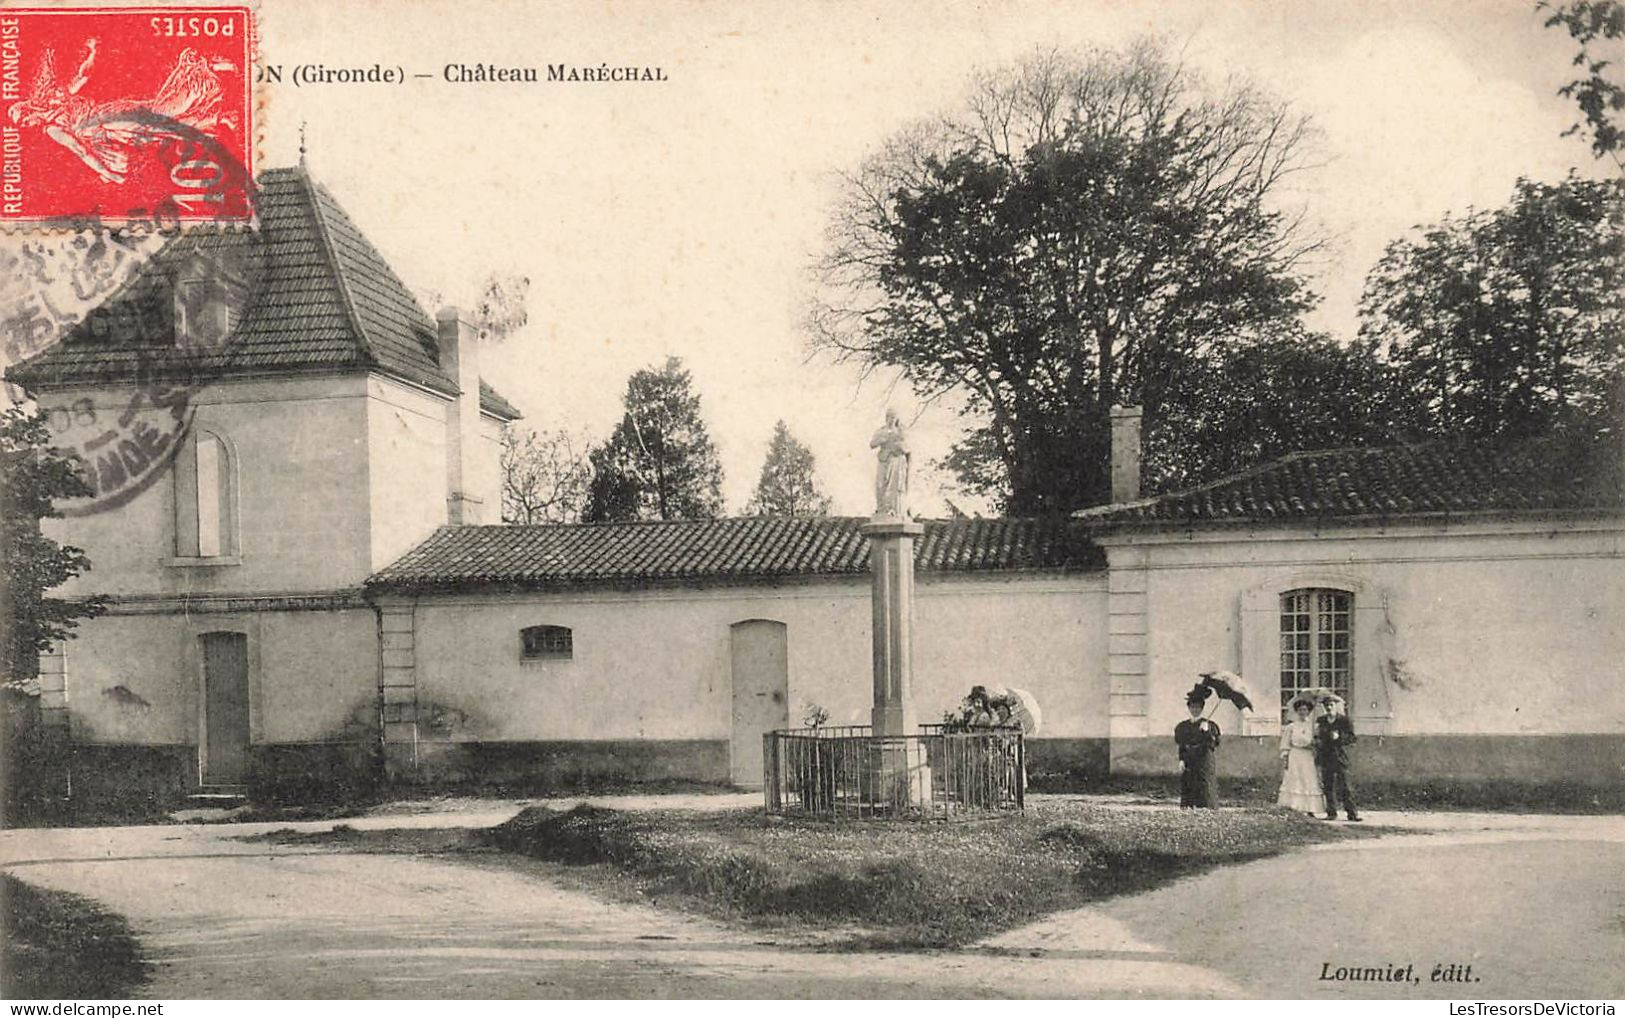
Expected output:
(891, 472)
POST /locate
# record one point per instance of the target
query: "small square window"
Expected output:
(547, 643)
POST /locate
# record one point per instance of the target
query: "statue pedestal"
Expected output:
(891, 561)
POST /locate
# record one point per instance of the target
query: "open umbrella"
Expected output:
(1229, 686)
(1024, 710)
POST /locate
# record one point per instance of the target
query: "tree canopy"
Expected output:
(1293, 392)
(1076, 236)
(1509, 322)
(659, 463)
(1599, 91)
(33, 475)
(787, 487)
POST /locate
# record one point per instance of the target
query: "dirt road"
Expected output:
(223, 917)
(1535, 907)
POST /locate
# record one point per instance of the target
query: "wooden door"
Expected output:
(225, 702)
(761, 689)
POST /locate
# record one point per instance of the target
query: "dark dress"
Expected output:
(1334, 735)
(1198, 743)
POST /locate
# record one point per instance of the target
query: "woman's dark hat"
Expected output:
(1197, 695)
(1303, 701)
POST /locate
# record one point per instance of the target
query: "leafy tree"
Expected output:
(1600, 90)
(659, 463)
(1509, 322)
(1075, 237)
(544, 476)
(787, 486)
(33, 475)
(1287, 393)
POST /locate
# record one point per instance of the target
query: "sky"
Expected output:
(681, 217)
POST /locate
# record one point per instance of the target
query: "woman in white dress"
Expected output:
(1300, 788)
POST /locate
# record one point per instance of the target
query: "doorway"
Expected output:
(761, 692)
(225, 708)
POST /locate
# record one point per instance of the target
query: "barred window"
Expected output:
(555, 642)
(1316, 642)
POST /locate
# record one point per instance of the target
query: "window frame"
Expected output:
(553, 643)
(1370, 644)
(1321, 632)
(189, 547)
(216, 301)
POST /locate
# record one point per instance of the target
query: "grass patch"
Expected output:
(390, 841)
(907, 885)
(62, 945)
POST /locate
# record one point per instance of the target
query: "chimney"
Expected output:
(459, 359)
(1125, 453)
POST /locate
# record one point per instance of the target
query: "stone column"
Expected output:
(891, 559)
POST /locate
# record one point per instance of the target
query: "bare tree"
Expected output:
(500, 309)
(544, 476)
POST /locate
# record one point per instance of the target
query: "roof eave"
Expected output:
(408, 586)
(1107, 528)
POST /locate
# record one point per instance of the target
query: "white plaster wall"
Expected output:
(318, 675)
(655, 664)
(406, 437)
(299, 455)
(146, 655)
(483, 472)
(1504, 630)
(309, 674)
(1047, 636)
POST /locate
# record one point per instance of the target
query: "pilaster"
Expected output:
(397, 681)
(1128, 644)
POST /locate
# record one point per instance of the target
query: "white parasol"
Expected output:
(1024, 710)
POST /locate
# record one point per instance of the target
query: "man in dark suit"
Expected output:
(1334, 737)
(1198, 741)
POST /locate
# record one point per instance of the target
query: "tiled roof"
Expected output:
(322, 300)
(492, 402)
(1452, 479)
(738, 548)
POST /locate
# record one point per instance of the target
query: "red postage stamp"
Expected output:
(126, 113)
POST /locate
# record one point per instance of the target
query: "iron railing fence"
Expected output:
(850, 773)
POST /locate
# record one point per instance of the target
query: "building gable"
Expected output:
(320, 299)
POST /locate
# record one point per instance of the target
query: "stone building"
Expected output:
(314, 590)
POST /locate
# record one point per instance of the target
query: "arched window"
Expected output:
(205, 498)
(1317, 646)
(547, 643)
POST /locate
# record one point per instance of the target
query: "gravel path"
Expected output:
(1535, 904)
(226, 918)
